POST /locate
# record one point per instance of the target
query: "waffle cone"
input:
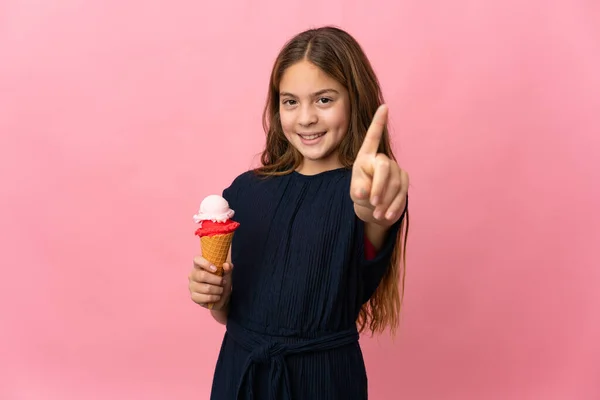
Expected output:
(215, 249)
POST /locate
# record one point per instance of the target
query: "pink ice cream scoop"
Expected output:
(214, 208)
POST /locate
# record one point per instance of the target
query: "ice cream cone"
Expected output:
(215, 249)
(216, 231)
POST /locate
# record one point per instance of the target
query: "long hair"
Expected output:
(339, 55)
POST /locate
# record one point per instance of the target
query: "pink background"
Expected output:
(113, 119)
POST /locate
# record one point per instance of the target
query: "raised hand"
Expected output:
(379, 186)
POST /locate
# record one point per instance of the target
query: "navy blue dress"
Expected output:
(299, 280)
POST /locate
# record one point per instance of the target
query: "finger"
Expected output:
(393, 188)
(372, 139)
(205, 288)
(381, 176)
(202, 263)
(361, 191)
(396, 208)
(202, 276)
(227, 267)
(400, 190)
(204, 299)
(405, 179)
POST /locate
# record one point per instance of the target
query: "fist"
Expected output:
(379, 186)
(207, 288)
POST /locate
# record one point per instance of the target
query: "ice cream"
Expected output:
(214, 208)
(216, 230)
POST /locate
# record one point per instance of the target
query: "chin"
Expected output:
(325, 158)
(315, 155)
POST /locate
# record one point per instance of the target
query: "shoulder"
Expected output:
(248, 178)
(243, 178)
(241, 184)
(238, 182)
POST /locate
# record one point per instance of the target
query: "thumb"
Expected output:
(227, 267)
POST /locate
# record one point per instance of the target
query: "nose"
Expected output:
(308, 115)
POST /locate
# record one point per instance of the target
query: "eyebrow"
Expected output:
(319, 93)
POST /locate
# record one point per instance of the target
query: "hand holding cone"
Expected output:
(216, 231)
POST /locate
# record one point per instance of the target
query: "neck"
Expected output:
(313, 167)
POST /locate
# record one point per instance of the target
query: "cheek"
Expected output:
(287, 123)
(340, 121)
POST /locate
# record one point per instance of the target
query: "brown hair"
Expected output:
(338, 54)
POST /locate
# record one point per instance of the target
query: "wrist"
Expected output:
(220, 314)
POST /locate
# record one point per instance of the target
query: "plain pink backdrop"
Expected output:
(114, 118)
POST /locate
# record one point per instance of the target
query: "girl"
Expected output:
(323, 225)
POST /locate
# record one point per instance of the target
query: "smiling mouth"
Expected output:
(311, 136)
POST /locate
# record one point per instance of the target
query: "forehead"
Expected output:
(306, 78)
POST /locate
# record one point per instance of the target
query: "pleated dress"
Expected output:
(299, 280)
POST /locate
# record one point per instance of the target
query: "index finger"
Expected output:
(202, 263)
(373, 137)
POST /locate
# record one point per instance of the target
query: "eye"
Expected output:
(289, 102)
(325, 100)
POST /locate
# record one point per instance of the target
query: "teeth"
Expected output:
(311, 137)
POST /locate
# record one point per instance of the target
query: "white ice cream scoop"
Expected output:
(214, 208)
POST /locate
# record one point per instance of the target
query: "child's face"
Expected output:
(314, 110)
